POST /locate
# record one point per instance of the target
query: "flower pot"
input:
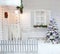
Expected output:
(21, 10)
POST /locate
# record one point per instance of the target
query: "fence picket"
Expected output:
(18, 46)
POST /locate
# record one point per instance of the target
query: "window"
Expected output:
(40, 18)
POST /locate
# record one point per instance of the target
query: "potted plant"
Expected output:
(20, 8)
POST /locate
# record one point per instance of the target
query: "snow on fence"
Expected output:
(18, 46)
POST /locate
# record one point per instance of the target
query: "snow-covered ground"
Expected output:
(48, 48)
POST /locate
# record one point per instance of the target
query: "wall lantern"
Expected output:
(6, 14)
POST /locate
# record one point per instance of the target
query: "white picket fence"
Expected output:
(29, 46)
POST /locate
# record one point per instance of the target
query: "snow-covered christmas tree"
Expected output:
(52, 33)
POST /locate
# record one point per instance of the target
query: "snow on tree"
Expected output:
(52, 33)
